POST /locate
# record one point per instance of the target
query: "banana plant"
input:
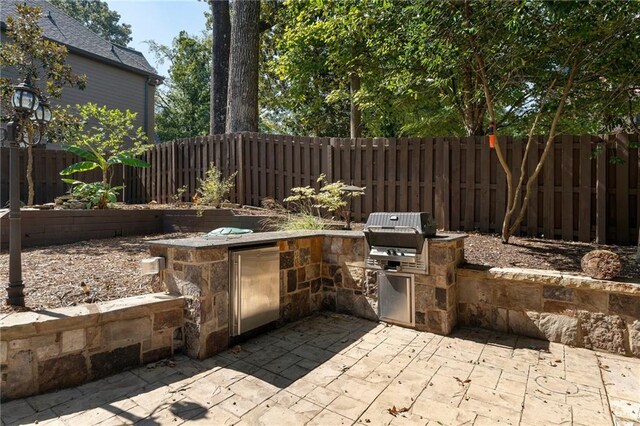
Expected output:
(103, 138)
(94, 160)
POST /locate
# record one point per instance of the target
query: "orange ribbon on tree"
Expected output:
(492, 136)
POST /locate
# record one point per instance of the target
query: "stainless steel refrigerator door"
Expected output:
(395, 298)
(255, 289)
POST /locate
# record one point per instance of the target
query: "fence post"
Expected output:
(329, 157)
(239, 168)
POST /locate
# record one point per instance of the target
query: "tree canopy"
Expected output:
(182, 103)
(419, 69)
(96, 15)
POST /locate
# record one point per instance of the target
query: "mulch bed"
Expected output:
(101, 270)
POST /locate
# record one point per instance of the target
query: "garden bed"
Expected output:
(53, 275)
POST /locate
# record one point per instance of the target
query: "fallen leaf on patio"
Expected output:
(395, 411)
(236, 349)
(462, 382)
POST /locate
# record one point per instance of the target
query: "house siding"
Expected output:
(106, 85)
(110, 86)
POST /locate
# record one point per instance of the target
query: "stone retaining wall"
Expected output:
(574, 310)
(47, 350)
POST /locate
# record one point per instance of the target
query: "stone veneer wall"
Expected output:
(573, 310)
(436, 293)
(43, 351)
(350, 288)
(347, 287)
(300, 280)
(201, 276)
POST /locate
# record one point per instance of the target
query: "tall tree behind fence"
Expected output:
(47, 181)
(459, 180)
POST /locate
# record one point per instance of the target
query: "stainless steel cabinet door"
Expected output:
(255, 288)
(395, 297)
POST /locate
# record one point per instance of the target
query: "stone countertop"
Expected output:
(245, 239)
(270, 237)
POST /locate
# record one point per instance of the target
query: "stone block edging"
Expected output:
(53, 349)
(570, 309)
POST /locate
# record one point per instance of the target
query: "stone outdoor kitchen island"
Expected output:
(318, 270)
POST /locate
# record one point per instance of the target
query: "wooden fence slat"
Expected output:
(567, 187)
(485, 182)
(501, 189)
(403, 178)
(289, 164)
(297, 172)
(601, 198)
(548, 210)
(427, 174)
(380, 173)
(439, 190)
(357, 165)
(271, 164)
(391, 198)
(455, 184)
(532, 209)
(256, 172)
(622, 193)
(414, 161)
(369, 177)
(306, 161)
(317, 160)
(584, 195)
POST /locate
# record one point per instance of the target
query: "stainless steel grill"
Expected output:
(398, 248)
(398, 241)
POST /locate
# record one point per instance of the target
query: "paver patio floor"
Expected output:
(338, 370)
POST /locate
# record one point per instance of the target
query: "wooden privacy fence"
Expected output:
(47, 164)
(457, 179)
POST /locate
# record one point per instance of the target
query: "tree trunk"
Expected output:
(242, 97)
(219, 65)
(356, 114)
(31, 192)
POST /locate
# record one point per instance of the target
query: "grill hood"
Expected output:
(399, 230)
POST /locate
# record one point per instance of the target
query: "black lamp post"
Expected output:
(27, 106)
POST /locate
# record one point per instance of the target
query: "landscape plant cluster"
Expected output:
(310, 207)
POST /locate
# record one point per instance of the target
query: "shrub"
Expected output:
(214, 189)
(95, 194)
(331, 198)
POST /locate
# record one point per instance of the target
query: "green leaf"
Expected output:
(83, 166)
(128, 161)
(87, 155)
(72, 181)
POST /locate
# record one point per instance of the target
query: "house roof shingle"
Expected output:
(60, 27)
